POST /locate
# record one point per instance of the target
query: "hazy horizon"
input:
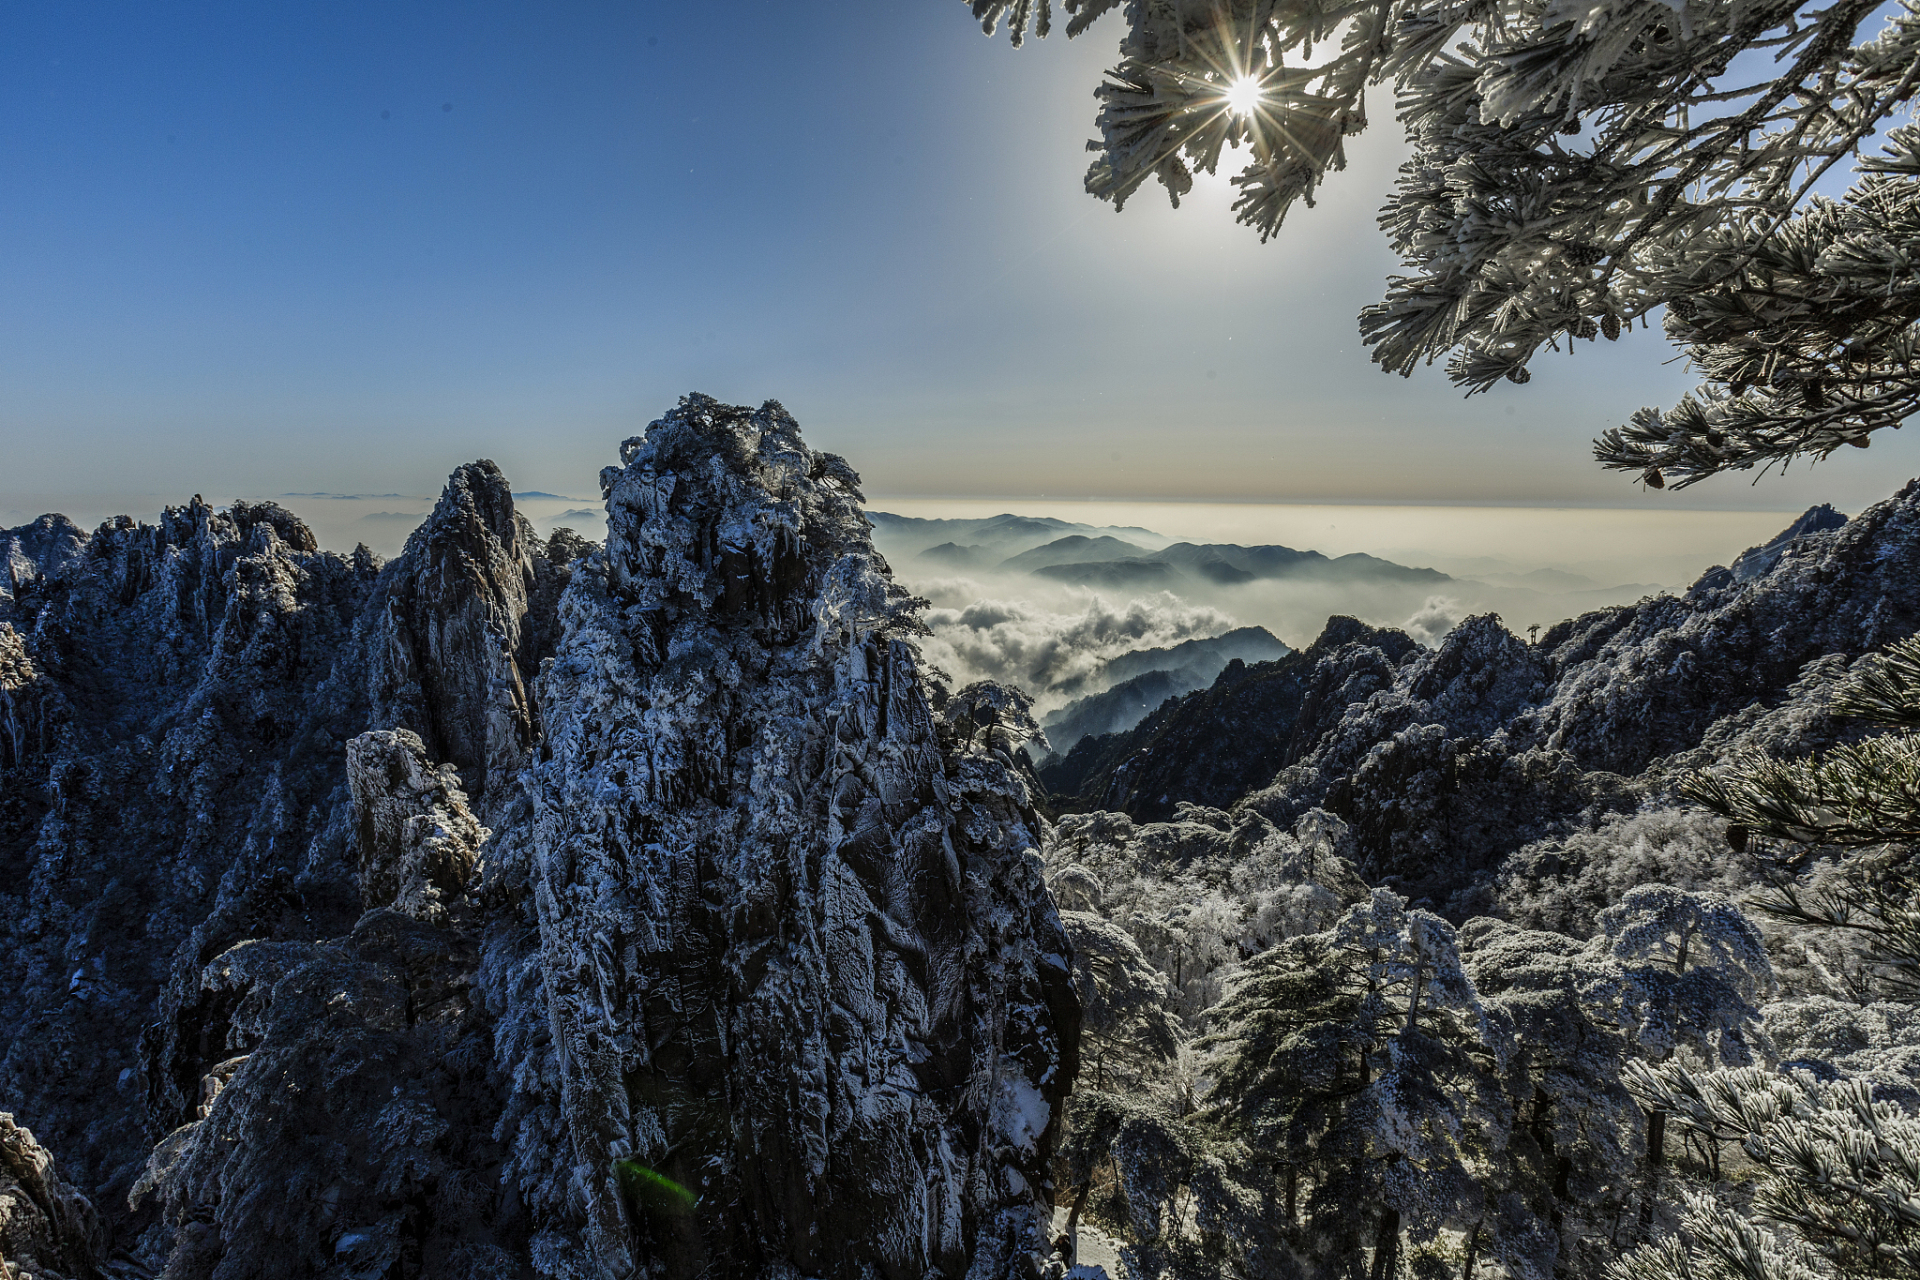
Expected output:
(1416, 534)
(1036, 633)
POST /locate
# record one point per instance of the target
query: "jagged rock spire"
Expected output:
(48, 1230)
(809, 999)
(458, 653)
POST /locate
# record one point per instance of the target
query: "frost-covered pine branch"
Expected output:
(1863, 796)
(1576, 165)
(1856, 795)
(1840, 1191)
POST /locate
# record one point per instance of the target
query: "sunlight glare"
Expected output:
(1243, 95)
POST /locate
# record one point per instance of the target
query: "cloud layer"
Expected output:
(1052, 653)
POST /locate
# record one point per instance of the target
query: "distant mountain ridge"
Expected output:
(1443, 762)
(1075, 548)
(1141, 680)
(1223, 564)
(910, 535)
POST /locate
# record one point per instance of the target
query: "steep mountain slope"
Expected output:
(1145, 678)
(811, 972)
(1249, 644)
(1213, 746)
(518, 908)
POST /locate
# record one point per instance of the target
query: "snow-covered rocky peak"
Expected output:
(1755, 561)
(519, 908)
(794, 945)
(721, 510)
(457, 650)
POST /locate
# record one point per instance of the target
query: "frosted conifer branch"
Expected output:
(1576, 165)
(1841, 1184)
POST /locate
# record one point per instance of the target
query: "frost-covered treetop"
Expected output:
(1659, 924)
(1676, 967)
(1575, 165)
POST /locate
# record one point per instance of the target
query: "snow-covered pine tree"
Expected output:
(1360, 1059)
(1576, 165)
(1297, 1034)
(1127, 1036)
(1565, 1182)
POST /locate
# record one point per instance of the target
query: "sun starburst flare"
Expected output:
(1243, 95)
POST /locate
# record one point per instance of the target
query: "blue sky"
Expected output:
(258, 248)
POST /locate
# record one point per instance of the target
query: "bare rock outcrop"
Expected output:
(457, 650)
(810, 1003)
(48, 1230)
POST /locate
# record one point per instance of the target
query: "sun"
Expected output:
(1243, 95)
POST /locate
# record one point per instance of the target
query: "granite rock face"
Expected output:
(171, 759)
(48, 1231)
(457, 619)
(797, 957)
(418, 842)
(519, 908)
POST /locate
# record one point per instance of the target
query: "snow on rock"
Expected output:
(169, 741)
(418, 842)
(1755, 561)
(1021, 1114)
(793, 941)
(520, 908)
(1445, 763)
(26, 728)
(33, 553)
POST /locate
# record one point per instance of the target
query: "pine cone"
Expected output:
(1519, 374)
(1654, 479)
(1585, 328)
(1610, 325)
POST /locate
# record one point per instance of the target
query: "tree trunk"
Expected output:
(1386, 1245)
(1473, 1253)
(1656, 1157)
(1073, 1221)
(1293, 1195)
